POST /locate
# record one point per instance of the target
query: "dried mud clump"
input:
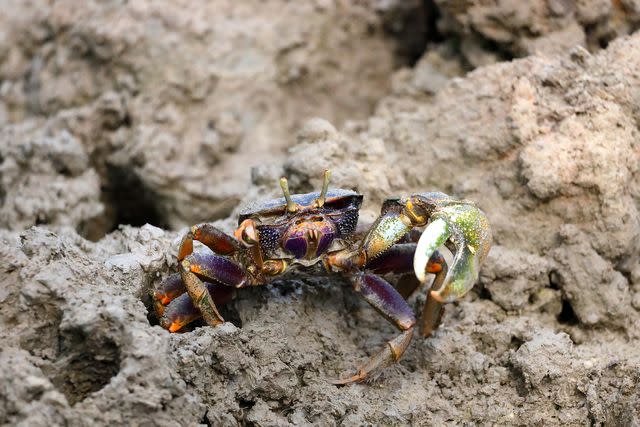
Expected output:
(490, 31)
(162, 93)
(45, 179)
(136, 112)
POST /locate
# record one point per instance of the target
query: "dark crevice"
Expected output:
(567, 316)
(598, 37)
(515, 343)
(553, 281)
(205, 419)
(492, 46)
(231, 314)
(152, 317)
(127, 201)
(520, 383)
(246, 404)
(432, 16)
(133, 203)
(483, 293)
(3, 192)
(413, 24)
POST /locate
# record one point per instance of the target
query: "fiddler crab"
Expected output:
(315, 234)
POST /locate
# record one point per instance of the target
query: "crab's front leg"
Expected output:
(380, 253)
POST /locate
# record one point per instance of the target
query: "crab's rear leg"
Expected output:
(168, 290)
(388, 302)
(209, 267)
(181, 310)
(214, 268)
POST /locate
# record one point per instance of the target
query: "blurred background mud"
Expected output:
(117, 114)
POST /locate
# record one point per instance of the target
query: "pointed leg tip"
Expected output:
(357, 378)
(436, 296)
(426, 333)
(171, 326)
(161, 298)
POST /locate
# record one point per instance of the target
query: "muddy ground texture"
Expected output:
(114, 115)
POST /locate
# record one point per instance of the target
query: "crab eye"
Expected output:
(246, 233)
(249, 235)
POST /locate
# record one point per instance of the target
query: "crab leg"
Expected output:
(215, 239)
(388, 302)
(400, 259)
(397, 259)
(169, 289)
(182, 311)
(457, 224)
(209, 267)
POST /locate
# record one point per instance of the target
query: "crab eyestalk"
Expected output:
(291, 205)
(325, 187)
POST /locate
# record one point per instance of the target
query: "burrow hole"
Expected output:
(86, 364)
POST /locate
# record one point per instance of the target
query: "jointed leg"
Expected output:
(388, 302)
(170, 289)
(400, 259)
(213, 268)
(215, 239)
(407, 285)
(194, 267)
(397, 259)
(182, 311)
(190, 266)
(212, 272)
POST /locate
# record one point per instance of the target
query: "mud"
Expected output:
(115, 115)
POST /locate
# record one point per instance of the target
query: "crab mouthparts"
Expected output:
(309, 239)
